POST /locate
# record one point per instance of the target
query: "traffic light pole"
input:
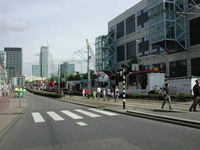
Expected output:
(124, 89)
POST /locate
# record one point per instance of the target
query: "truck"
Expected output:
(181, 85)
(144, 82)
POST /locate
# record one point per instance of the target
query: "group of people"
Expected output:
(20, 92)
(196, 96)
(5, 91)
(107, 93)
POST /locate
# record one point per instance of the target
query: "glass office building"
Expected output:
(44, 61)
(68, 69)
(36, 70)
(161, 34)
(14, 62)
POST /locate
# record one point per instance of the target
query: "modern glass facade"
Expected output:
(44, 61)
(68, 69)
(3, 58)
(36, 70)
(100, 53)
(160, 33)
(167, 29)
(14, 62)
(105, 53)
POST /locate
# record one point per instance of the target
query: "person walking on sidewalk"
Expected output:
(116, 93)
(108, 93)
(196, 91)
(104, 94)
(98, 92)
(167, 96)
(83, 92)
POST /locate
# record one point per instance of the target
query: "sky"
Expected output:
(63, 25)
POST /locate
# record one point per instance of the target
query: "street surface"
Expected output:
(55, 125)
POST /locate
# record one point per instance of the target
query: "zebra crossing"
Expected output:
(77, 114)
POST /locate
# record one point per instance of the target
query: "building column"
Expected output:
(189, 68)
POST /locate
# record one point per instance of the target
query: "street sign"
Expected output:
(63, 79)
(135, 67)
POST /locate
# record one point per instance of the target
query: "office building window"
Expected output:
(130, 24)
(130, 50)
(195, 66)
(120, 29)
(144, 46)
(142, 19)
(178, 68)
(120, 53)
(194, 31)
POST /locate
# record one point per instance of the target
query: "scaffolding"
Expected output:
(171, 26)
(109, 54)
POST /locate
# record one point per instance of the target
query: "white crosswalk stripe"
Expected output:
(55, 116)
(81, 124)
(103, 112)
(72, 115)
(37, 117)
(87, 113)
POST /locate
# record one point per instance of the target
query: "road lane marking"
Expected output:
(103, 112)
(87, 113)
(72, 115)
(81, 124)
(55, 116)
(37, 117)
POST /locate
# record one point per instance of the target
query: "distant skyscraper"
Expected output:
(3, 58)
(44, 59)
(14, 62)
(36, 70)
(68, 69)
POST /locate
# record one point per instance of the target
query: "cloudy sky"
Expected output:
(63, 24)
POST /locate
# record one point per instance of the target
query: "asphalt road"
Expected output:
(54, 125)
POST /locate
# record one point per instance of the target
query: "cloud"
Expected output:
(13, 25)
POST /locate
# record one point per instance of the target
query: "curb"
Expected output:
(161, 118)
(167, 119)
(13, 121)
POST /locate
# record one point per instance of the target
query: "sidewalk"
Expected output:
(10, 112)
(150, 109)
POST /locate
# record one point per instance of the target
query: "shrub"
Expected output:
(45, 93)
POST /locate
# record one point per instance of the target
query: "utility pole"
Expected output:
(88, 70)
(58, 79)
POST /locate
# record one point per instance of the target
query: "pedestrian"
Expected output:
(104, 95)
(2, 91)
(86, 92)
(23, 92)
(196, 91)
(116, 93)
(71, 92)
(98, 92)
(167, 96)
(83, 92)
(156, 89)
(112, 92)
(108, 94)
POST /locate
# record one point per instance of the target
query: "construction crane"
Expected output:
(53, 70)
